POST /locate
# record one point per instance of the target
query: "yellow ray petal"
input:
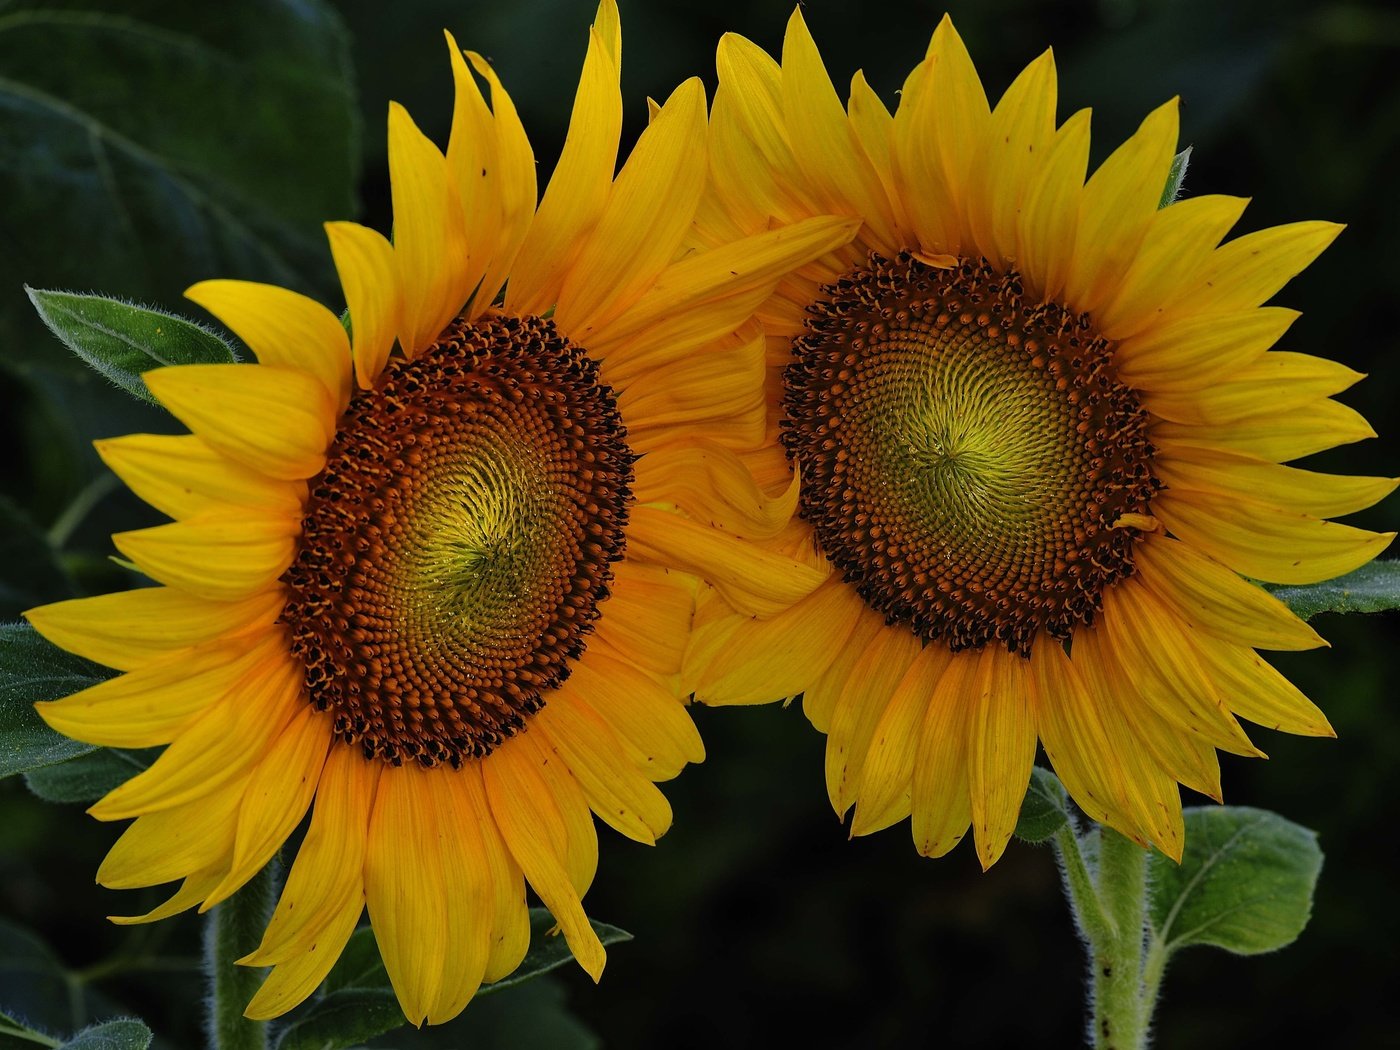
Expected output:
(873, 126)
(175, 843)
(864, 698)
(404, 887)
(711, 293)
(1151, 645)
(754, 171)
(647, 214)
(1187, 759)
(578, 849)
(650, 721)
(222, 557)
(883, 792)
(510, 922)
(291, 982)
(1179, 239)
(754, 581)
(1213, 599)
(819, 699)
(283, 328)
(515, 190)
(1119, 204)
(959, 110)
(1000, 749)
(430, 241)
(1265, 542)
(1227, 473)
(467, 908)
(1274, 435)
(1249, 270)
(153, 704)
(823, 143)
(1258, 692)
(327, 877)
(925, 202)
(128, 629)
(193, 890)
(1273, 383)
(1195, 352)
(275, 420)
(625, 800)
(1017, 144)
(471, 166)
(779, 657)
(578, 190)
(939, 800)
(370, 278)
(1151, 800)
(222, 744)
(1076, 741)
(522, 807)
(1048, 223)
(647, 618)
(721, 386)
(181, 475)
(776, 658)
(279, 791)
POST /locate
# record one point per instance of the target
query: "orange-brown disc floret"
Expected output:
(968, 458)
(458, 542)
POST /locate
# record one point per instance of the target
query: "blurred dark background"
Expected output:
(135, 162)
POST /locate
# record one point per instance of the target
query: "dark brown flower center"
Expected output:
(967, 457)
(458, 542)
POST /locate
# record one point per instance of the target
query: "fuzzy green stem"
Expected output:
(1120, 1011)
(232, 930)
(1080, 888)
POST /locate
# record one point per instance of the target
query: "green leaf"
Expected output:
(1245, 883)
(16, 1035)
(1371, 588)
(1172, 190)
(1045, 809)
(360, 1004)
(29, 573)
(121, 340)
(343, 1019)
(88, 777)
(32, 669)
(125, 1034)
(146, 144)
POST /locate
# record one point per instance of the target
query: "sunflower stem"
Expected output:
(232, 930)
(1120, 1010)
(1080, 888)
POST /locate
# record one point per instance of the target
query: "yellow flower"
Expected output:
(420, 586)
(1039, 432)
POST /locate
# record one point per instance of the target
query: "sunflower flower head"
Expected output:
(417, 579)
(1040, 434)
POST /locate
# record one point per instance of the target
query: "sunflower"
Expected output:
(414, 572)
(1039, 431)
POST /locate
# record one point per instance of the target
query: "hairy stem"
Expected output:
(232, 930)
